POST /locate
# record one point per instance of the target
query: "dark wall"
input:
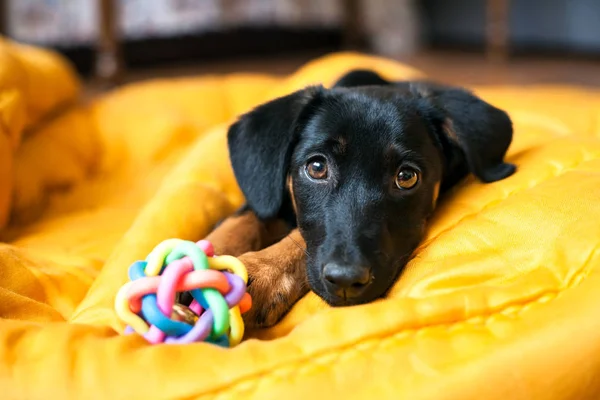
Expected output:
(560, 25)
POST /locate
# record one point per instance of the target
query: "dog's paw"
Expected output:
(273, 289)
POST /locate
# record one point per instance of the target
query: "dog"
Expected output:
(340, 184)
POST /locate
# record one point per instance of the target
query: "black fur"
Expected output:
(357, 222)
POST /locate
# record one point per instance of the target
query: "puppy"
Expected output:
(340, 184)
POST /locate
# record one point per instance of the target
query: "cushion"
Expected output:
(34, 84)
(499, 302)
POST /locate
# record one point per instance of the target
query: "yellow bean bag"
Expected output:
(501, 301)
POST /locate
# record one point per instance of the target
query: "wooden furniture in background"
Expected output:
(109, 63)
(352, 24)
(497, 27)
(3, 17)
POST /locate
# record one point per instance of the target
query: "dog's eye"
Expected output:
(316, 168)
(407, 178)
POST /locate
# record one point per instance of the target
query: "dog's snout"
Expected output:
(346, 281)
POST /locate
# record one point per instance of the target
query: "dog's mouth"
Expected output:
(336, 301)
(344, 301)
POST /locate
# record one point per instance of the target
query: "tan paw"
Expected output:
(273, 287)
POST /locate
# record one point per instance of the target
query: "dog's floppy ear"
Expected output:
(471, 131)
(260, 146)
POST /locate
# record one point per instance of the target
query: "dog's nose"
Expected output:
(346, 281)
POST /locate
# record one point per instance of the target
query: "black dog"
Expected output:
(358, 169)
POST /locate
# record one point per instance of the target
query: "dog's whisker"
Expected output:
(304, 286)
(299, 246)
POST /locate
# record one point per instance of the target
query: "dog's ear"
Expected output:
(260, 146)
(474, 134)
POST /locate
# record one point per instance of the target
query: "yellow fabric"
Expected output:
(500, 303)
(34, 84)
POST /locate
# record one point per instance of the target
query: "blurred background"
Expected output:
(459, 41)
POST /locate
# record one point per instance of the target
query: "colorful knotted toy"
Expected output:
(149, 302)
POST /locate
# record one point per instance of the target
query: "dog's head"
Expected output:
(359, 168)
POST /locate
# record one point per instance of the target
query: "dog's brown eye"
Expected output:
(316, 168)
(407, 178)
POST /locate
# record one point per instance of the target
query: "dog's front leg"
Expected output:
(244, 232)
(277, 280)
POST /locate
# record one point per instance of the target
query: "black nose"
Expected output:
(345, 280)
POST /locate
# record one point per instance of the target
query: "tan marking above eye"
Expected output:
(448, 128)
(340, 144)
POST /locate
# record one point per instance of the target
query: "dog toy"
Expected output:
(149, 302)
